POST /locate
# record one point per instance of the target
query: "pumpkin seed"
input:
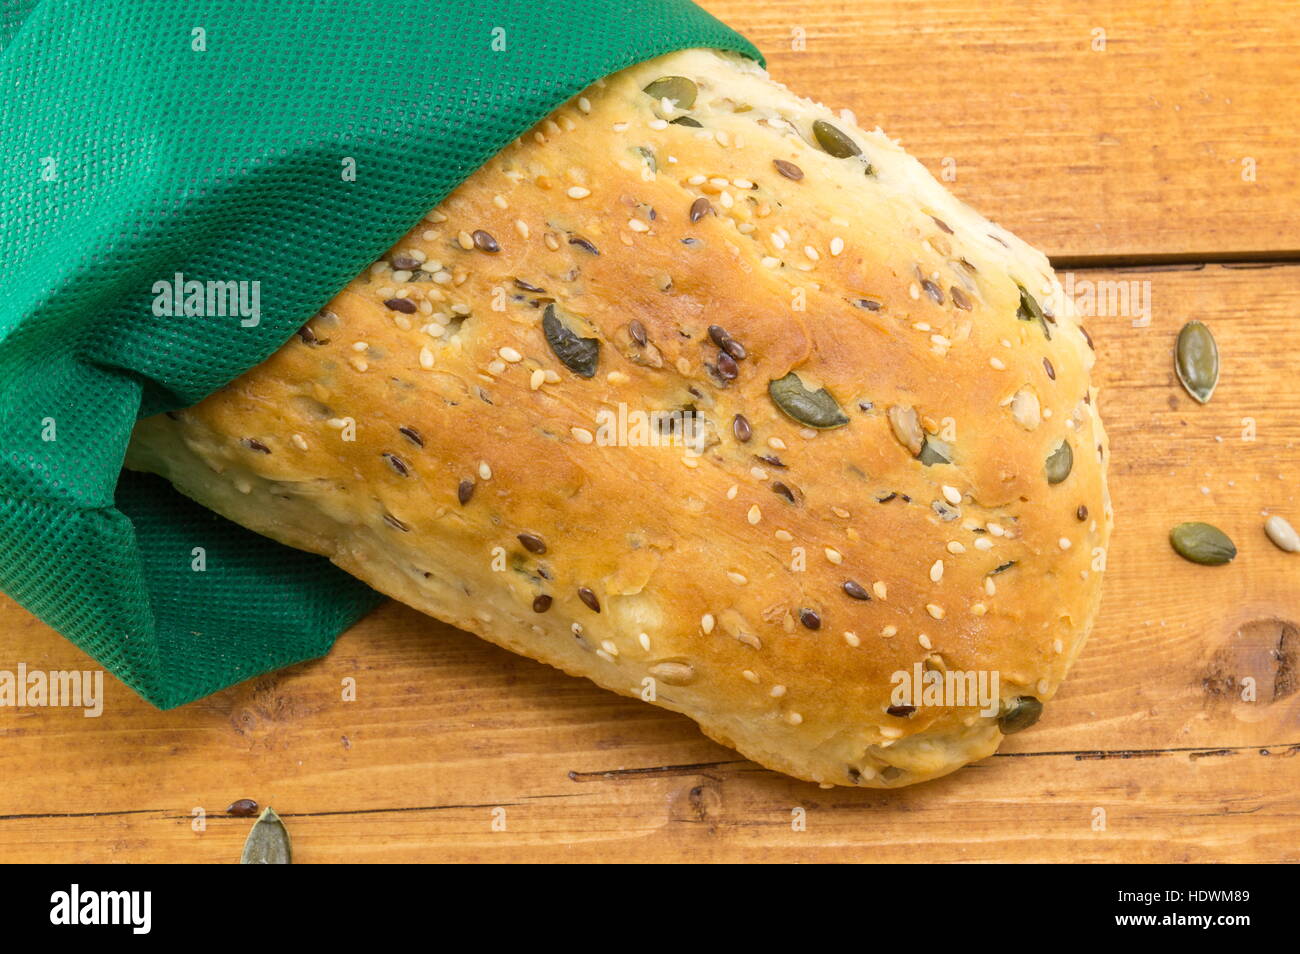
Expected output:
(835, 141)
(579, 355)
(677, 88)
(814, 408)
(1196, 359)
(1282, 534)
(1030, 310)
(1023, 712)
(934, 451)
(1202, 543)
(1060, 463)
(267, 842)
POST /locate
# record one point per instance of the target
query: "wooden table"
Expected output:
(1165, 154)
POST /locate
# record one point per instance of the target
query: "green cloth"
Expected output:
(144, 138)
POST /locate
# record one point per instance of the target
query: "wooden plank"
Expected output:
(1134, 150)
(1150, 728)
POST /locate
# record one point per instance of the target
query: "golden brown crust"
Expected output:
(720, 576)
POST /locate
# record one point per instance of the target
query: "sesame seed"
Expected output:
(754, 514)
(769, 261)
(777, 691)
(732, 491)
(998, 364)
(636, 225)
(578, 192)
(537, 379)
(852, 639)
(522, 228)
(738, 578)
(936, 571)
(609, 647)
(785, 536)
(989, 586)
(706, 623)
(510, 354)
(793, 718)
(924, 640)
(1064, 543)
(983, 543)
(484, 471)
(658, 124)
(581, 435)
(889, 631)
(1058, 646)
(834, 556)
(934, 610)
(880, 589)
(299, 442)
(644, 640)
(750, 675)
(956, 547)
(584, 104)
(996, 529)
(951, 494)
(465, 240)
(978, 609)
(358, 362)
(837, 245)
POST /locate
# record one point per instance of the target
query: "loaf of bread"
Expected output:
(702, 392)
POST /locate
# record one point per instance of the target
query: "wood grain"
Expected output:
(1135, 150)
(1150, 729)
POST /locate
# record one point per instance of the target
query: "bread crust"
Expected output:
(423, 434)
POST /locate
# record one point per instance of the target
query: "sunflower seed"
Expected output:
(740, 427)
(1059, 463)
(412, 435)
(267, 842)
(788, 169)
(1202, 543)
(901, 711)
(465, 491)
(1282, 534)
(532, 542)
(588, 597)
(906, 425)
(579, 355)
(679, 89)
(856, 590)
(687, 121)
(834, 140)
(700, 208)
(1196, 359)
(242, 808)
(814, 408)
(1020, 715)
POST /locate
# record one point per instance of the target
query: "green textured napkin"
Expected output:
(286, 144)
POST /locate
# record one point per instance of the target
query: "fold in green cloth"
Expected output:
(272, 148)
